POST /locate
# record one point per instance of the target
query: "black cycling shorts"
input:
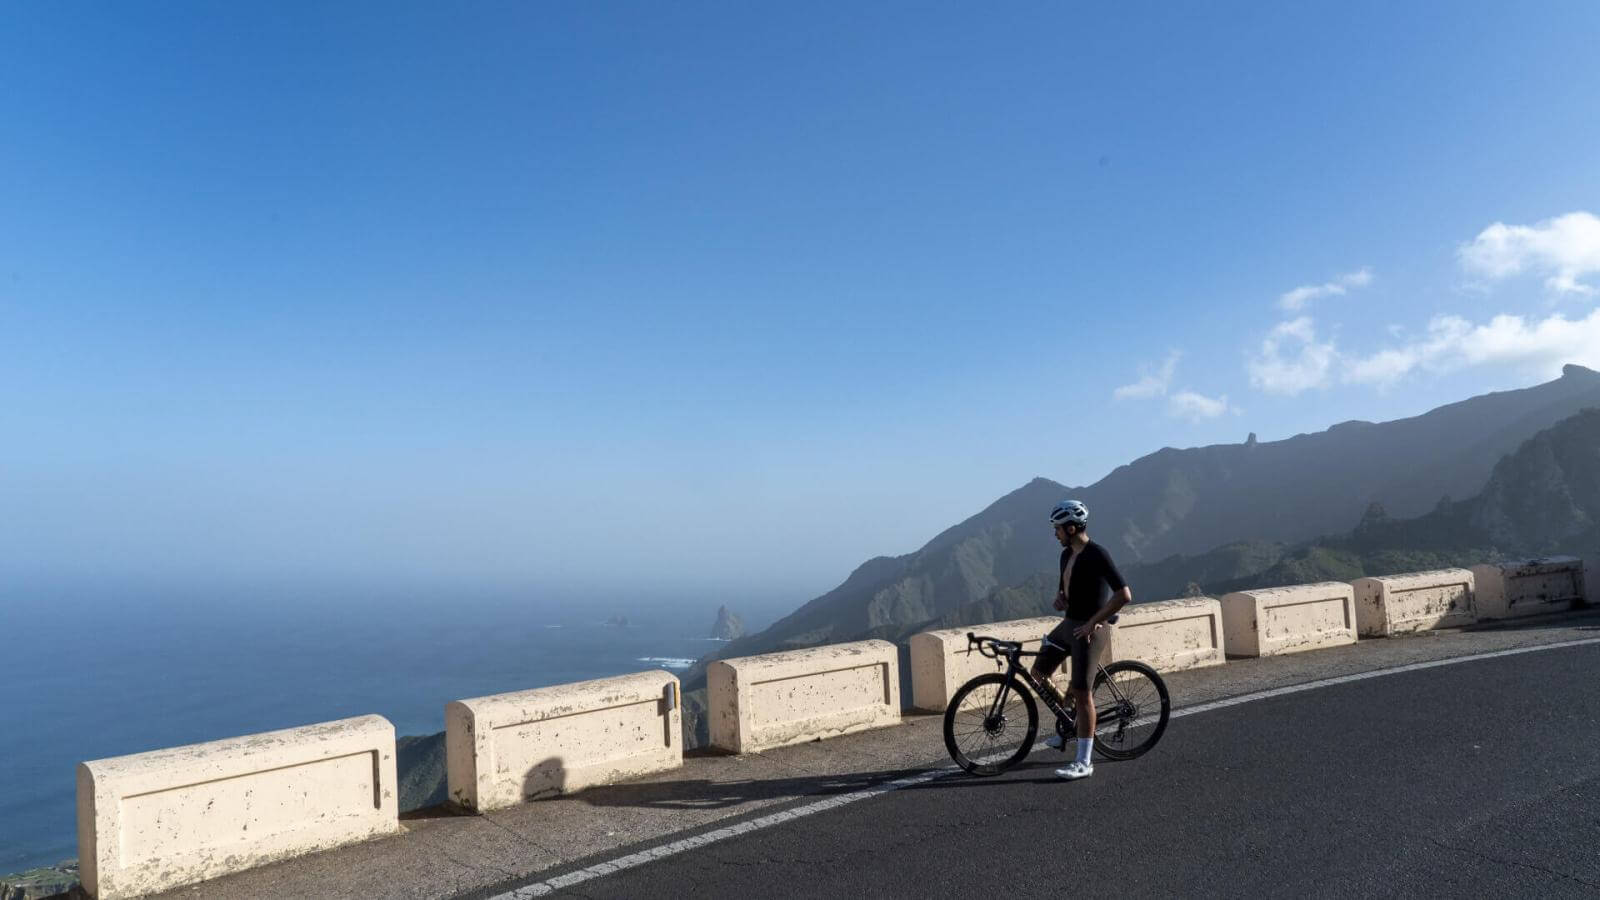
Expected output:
(1060, 643)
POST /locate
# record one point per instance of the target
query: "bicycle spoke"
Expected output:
(989, 724)
(1131, 711)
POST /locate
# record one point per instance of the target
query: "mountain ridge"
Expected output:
(1254, 496)
(1543, 499)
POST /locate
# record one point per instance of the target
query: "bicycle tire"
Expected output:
(975, 721)
(1143, 696)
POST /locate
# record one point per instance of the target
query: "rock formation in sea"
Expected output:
(728, 626)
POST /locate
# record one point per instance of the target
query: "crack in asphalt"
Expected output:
(1477, 854)
(470, 867)
(522, 838)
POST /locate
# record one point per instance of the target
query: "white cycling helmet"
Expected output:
(1070, 512)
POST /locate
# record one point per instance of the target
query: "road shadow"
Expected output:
(1585, 614)
(703, 793)
(437, 811)
(700, 793)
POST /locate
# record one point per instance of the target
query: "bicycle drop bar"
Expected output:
(992, 647)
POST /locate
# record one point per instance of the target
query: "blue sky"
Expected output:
(725, 299)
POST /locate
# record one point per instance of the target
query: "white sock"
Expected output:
(1085, 747)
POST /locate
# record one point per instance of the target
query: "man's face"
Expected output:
(1061, 534)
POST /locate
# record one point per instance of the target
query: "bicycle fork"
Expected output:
(997, 710)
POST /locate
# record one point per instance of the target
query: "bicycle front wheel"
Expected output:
(990, 723)
(1131, 709)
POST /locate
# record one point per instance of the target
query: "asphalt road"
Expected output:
(1481, 778)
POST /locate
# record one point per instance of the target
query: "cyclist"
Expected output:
(1086, 571)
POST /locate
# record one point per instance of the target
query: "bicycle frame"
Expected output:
(1054, 701)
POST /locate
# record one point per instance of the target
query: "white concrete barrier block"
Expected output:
(941, 663)
(507, 748)
(1529, 587)
(154, 821)
(1415, 601)
(1289, 619)
(776, 699)
(1170, 635)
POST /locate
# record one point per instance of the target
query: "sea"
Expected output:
(92, 674)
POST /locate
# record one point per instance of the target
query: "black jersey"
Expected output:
(1094, 579)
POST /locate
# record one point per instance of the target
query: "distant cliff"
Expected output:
(728, 626)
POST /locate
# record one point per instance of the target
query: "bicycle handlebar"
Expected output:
(990, 646)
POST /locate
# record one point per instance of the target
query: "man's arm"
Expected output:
(1118, 600)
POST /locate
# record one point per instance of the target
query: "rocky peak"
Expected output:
(728, 626)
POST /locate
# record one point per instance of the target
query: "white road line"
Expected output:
(662, 851)
(1377, 673)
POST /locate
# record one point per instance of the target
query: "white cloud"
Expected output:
(1184, 404)
(1305, 366)
(1454, 343)
(1564, 249)
(1195, 407)
(1301, 329)
(1151, 384)
(1295, 300)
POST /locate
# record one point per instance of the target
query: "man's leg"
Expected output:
(1053, 651)
(1084, 718)
(1085, 715)
(1084, 665)
(1083, 697)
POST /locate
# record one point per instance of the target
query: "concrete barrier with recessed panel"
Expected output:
(941, 663)
(159, 820)
(507, 748)
(773, 700)
(1170, 635)
(1529, 587)
(1289, 619)
(1416, 601)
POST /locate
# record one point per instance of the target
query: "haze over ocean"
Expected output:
(628, 296)
(89, 675)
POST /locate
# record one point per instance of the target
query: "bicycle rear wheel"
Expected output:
(990, 724)
(1131, 709)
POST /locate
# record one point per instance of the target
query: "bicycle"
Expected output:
(1131, 716)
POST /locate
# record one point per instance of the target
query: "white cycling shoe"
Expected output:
(1075, 770)
(1055, 742)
